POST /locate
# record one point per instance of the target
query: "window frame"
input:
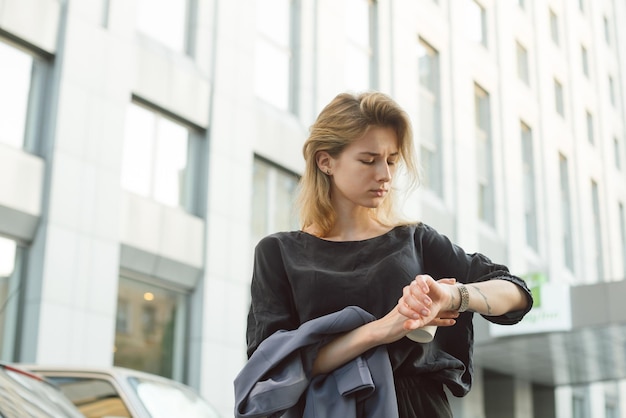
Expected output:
(431, 146)
(182, 325)
(192, 190)
(37, 96)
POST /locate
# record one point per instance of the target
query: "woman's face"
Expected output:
(362, 173)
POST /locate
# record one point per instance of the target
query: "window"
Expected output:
(476, 22)
(92, 394)
(164, 21)
(522, 63)
(611, 409)
(274, 192)
(484, 164)
(21, 76)
(530, 206)
(558, 98)
(274, 53)
(154, 339)
(566, 214)
(430, 117)
(10, 285)
(554, 27)
(105, 9)
(122, 317)
(359, 63)
(622, 223)
(618, 152)
(597, 227)
(611, 90)
(607, 30)
(589, 119)
(156, 160)
(584, 57)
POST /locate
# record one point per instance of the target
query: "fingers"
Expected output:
(423, 299)
(414, 303)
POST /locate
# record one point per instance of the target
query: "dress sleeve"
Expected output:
(271, 307)
(444, 259)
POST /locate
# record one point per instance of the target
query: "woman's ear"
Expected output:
(323, 160)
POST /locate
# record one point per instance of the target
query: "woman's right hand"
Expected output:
(396, 325)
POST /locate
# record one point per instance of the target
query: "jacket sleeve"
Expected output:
(442, 259)
(272, 307)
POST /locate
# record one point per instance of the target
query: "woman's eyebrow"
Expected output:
(376, 154)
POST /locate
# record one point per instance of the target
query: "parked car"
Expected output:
(121, 392)
(25, 394)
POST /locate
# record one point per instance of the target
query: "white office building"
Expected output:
(147, 145)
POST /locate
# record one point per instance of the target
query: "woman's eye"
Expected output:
(391, 162)
(367, 162)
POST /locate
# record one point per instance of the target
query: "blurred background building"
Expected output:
(147, 145)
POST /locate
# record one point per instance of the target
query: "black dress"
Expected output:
(298, 277)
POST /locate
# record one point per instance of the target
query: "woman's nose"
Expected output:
(384, 172)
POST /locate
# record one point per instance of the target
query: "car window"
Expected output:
(163, 400)
(94, 397)
(36, 397)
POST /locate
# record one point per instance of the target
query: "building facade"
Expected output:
(147, 145)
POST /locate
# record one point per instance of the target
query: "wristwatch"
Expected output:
(464, 297)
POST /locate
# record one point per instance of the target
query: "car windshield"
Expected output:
(164, 400)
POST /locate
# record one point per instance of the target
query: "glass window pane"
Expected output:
(164, 21)
(15, 80)
(10, 277)
(476, 25)
(597, 227)
(484, 167)
(622, 225)
(285, 218)
(528, 165)
(522, 63)
(584, 56)
(155, 316)
(607, 30)
(590, 136)
(272, 74)
(617, 151)
(259, 199)
(554, 27)
(274, 193)
(273, 20)
(357, 74)
(273, 52)
(164, 400)
(428, 62)
(170, 162)
(358, 22)
(611, 91)
(566, 212)
(94, 397)
(558, 98)
(155, 156)
(138, 150)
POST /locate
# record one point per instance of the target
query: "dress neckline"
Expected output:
(314, 237)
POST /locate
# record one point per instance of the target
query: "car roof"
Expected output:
(116, 372)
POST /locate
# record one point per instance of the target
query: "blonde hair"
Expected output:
(345, 119)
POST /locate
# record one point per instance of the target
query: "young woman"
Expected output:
(354, 250)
